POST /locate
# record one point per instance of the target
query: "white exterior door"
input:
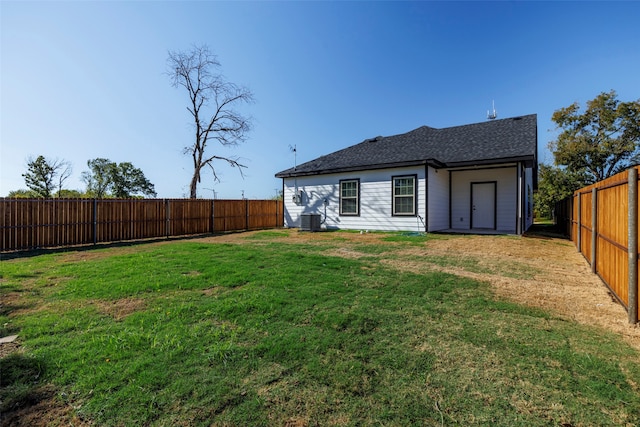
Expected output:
(483, 205)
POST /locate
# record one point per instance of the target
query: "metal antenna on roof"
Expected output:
(493, 114)
(296, 195)
(295, 155)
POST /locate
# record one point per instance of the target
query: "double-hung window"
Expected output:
(350, 197)
(404, 195)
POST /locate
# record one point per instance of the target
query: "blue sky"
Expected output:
(83, 79)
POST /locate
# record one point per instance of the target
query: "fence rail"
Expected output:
(602, 221)
(27, 224)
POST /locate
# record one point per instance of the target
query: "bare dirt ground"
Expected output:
(558, 279)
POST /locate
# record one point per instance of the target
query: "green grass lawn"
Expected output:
(271, 332)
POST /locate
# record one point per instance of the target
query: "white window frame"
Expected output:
(413, 195)
(355, 197)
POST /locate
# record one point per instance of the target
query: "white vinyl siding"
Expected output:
(321, 195)
(375, 203)
(506, 196)
(438, 204)
(311, 188)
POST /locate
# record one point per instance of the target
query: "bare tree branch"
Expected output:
(64, 172)
(44, 175)
(196, 71)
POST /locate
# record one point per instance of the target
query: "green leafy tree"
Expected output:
(109, 179)
(71, 194)
(44, 175)
(129, 180)
(554, 185)
(98, 177)
(23, 194)
(212, 103)
(600, 141)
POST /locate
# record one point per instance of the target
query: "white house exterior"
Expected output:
(473, 178)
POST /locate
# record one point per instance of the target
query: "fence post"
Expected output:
(632, 307)
(579, 236)
(594, 228)
(167, 227)
(213, 216)
(95, 221)
(246, 213)
(569, 218)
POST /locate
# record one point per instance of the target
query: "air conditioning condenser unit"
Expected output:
(310, 222)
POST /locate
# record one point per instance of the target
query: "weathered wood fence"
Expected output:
(42, 223)
(602, 221)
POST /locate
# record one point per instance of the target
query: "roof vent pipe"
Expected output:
(493, 114)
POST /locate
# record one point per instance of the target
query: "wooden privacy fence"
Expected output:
(41, 223)
(602, 221)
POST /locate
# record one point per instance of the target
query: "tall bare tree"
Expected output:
(64, 172)
(212, 103)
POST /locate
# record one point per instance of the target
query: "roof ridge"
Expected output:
(508, 138)
(456, 126)
(486, 122)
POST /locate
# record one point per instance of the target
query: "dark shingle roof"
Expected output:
(475, 144)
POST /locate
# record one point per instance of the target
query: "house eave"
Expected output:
(528, 160)
(431, 162)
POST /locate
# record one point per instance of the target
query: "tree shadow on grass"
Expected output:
(545, 232)
(20, 375)
(33, 252)
(25, 399)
